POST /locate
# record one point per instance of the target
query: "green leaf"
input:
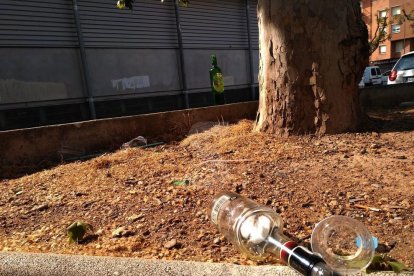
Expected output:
(180, 182)
(77, 230)
(183, 3)
(397, 267)
(377, 264)
(385, 263)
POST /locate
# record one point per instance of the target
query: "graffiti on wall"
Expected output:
(135, 82)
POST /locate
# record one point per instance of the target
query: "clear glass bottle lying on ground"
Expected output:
(341, 245)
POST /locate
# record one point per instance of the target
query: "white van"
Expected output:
(372, 76)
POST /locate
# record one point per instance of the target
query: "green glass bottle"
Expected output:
(217, 82)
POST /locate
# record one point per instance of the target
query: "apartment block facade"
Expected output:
(402, 35)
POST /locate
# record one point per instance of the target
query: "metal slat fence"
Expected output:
(93, 24)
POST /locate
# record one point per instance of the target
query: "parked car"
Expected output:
(385, 76)
(403, 70)
(372, 76)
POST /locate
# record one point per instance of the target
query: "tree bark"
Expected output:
(312, 54)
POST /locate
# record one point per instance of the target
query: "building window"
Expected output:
(396, 11)
(399, 46)
(382, 14)
(395, 28)
(383, 49)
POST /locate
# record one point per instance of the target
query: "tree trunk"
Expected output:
(312, 54)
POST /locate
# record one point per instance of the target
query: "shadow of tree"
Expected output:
(89, 239)
(391, 120)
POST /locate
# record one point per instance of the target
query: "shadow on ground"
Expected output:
(391, 120)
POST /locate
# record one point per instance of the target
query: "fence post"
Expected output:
(181, 53)
(249, 38)
(84, 62)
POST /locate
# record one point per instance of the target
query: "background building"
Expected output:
(71, 60)
(402, 36)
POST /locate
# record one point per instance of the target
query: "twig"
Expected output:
(367, 208)
(393, 207)
(226, 161)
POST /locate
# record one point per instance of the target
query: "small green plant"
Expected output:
(180, 182)
(77, 230)
(385, 263)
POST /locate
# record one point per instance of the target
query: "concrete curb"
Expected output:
(29, 264)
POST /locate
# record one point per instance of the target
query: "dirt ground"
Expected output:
(368, 176)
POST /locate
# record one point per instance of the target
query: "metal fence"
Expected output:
(69, 60)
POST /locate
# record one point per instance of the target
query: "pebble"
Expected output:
(121, 232)
(405, 203)
(135, 217)
(375, 146)
(40, 208)
(333, 203)
(170, 244)
(216, 241)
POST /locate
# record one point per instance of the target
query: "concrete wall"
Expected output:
(386, 96)
(31, 148)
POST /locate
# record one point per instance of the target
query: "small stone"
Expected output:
(170, 244)
(135, 217)
(333, 203)
(75, 193)
(401, 157)
(216, 241)
(40, 207)
(118, 232)
(121, 232)
(363, 151)
(200, 236)
(375, 146)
